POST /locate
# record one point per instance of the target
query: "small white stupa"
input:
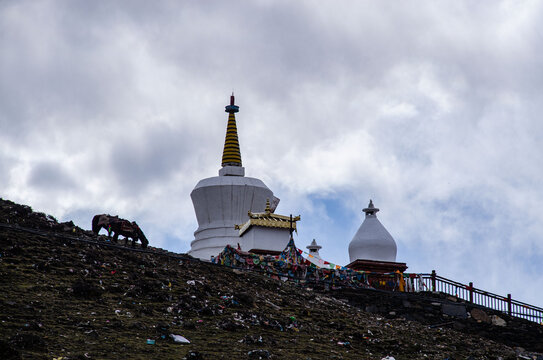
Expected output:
(372, 247)
(372, 241)
(314, 256)
(223, 201)
(314, 249)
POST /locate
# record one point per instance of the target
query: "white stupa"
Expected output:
(314, 256)
(372, 241)
(223, 201)
(314, 249)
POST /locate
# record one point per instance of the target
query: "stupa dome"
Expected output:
(372, 241)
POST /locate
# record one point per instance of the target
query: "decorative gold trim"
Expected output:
(267, 219)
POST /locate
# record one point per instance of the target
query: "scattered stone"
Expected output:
(249, 339)
(194, 355)
(230, 325)
(480, 316)
(498, 321)
(258, 354)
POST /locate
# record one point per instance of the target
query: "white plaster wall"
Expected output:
(220, 203)
(265, 239)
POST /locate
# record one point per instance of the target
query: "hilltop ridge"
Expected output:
(66, 294)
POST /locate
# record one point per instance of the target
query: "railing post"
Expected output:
(471, 292)
(509, 304)
(433, 280)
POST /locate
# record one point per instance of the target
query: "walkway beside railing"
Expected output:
(505, 304)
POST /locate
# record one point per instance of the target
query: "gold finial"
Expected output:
(268, 208)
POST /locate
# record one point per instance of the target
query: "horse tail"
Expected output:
(144, 241)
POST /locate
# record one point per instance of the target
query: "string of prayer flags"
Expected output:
(291, 265)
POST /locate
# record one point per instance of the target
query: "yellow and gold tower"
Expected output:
(231, 156)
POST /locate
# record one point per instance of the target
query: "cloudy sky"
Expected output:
(431, 110)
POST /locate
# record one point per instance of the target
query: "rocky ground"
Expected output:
(61, 298)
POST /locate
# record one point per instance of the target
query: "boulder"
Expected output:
(498, 321)
(480, 316)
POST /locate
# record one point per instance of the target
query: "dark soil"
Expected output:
(70, 299)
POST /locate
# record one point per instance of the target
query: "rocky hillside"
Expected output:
(67, 295)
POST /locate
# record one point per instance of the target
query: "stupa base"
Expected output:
(377, 266)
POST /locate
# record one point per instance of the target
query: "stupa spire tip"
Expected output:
(232, 108)
(371, 209)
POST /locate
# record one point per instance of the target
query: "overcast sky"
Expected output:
(433, 110)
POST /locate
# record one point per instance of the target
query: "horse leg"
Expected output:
(115, 237)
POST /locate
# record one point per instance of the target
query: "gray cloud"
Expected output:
(431, 110)
(6, 164)
(152, 157)
(50, 177)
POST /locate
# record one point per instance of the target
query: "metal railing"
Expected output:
(468, 293)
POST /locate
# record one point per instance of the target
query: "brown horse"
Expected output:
(117, 226)
(102, 221)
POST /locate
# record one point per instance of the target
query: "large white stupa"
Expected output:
(223, 201)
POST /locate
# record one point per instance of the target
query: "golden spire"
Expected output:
(231, 155)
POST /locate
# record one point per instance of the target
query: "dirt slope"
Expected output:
(61, 298)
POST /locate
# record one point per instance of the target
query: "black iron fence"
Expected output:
(505, 304)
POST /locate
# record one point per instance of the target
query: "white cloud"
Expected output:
(430, 110)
